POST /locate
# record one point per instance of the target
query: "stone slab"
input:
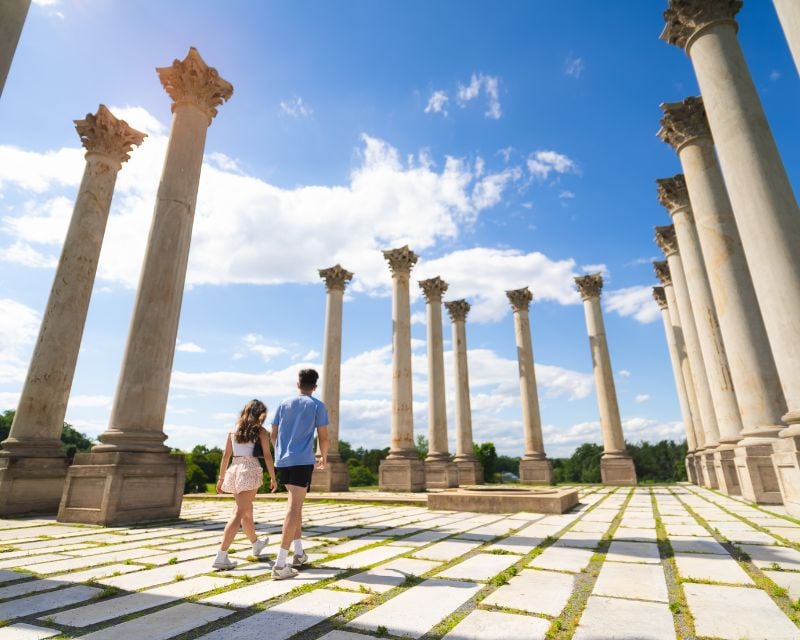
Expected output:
(10, 576)
(109, 609)
(617, 619)
(46, 602)
(636, 581)
(106, 571)
(496, 625)
(696, 566)
(23, 631)
(163, 624)
(535, 591)
(580, 539)
(446, 550)
(789, 580)
(765, 556)
(371, 556)
(690, 544)
(480, 567)
(387, 576)
(251, 594)
(635, 535)
(563, 559)
(551, 500)
(624, 551)
(159, 575)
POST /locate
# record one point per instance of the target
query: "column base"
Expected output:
(469, 472)
(691, 470)
(709, 471)
(617, 470)
(536, 471)
(698, 468)
(441, 474)
(786, 459)
(123, 487)
(725, 466)
(757, 476)
(334, 477)
(31, 485)
(401, 474)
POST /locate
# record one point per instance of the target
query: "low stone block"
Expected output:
(495, 625)
(639, 581)
(617, 619)
(401, 474)
(617, 471)
(536, 591)
(31, 485)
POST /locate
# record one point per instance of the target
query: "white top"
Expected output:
(241, 448)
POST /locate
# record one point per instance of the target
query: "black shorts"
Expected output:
(299, 476)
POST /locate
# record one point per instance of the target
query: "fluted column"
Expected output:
(36, 432)
(470, 470)
(140, 403)
(402, 470)
(789, 15)
(12, 19)
(752, 368)
(763, 202)
(616, 466)
(335, 475)
(440, 470)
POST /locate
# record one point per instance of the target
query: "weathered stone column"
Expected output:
(663, 275)
(335, 476)
(616, 466)
(755, 378)
(32, 466)
(470, 470)
(789, 15)
(12, 19)
(440, 470)
(680, 387)
(402, 470)
(132, 476)
(534, 467)
(764, 205)
(673, 196)
(668, 243)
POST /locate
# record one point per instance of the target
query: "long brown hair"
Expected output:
(248, 425)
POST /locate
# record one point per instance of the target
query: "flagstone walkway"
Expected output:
(643, 564)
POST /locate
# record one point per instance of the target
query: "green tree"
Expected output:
(422, 446)
(74, 441)
(487, 456)
(361, 476)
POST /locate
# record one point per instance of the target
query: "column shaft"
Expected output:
(529, 397)
(12, 19)
(789, 15)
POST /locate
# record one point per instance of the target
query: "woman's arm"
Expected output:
(273, 483)
(223, 464)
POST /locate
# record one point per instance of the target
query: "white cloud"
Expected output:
(544, 162)
(489, 191)
(642, 397)
(634, 301)
(437, 103)
(490, 86)
(257, 344)
(624, 373)
(46, 3)
(139, 118)
(19, 326)
(574, 66)
(566, 195)
(596, 268)
(89, 401)
(9, 400)
(310, 356)
(296, 107)
(38, 172)
(189, 347)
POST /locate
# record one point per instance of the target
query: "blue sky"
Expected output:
(509, 145)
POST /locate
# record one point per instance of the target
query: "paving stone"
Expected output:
(690, 544)
(109, 609)
(339, 634)
(749, 537)
(58, 564)
(716, 568)
(764, 557)
(635, 535)
(46, 602)
(162, 624)
(737, 612)
(94, 573)
(480, 567)
(789, 580)
(10, 576)
(446, 550)
(580, 539)
(624, 551)
(495, 625)
(34, 561)
(637, 581)
(251, 594)
(387, 576)
(371, 556)
(638, 523)
(536, 591)
(31, 586)
(790, 533)
(590, 526)
(563, 559)
(616, 619)
(430, 602)
(23, 631)
(159, 575)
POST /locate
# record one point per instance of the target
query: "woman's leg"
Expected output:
(244, 499)
(244, 502)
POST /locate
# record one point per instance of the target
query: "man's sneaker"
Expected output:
(225, 564)
(284, 572)
(258, 546)
(299, 561)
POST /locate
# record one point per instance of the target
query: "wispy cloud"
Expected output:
(642, 397)
(490, 85)
(296, 107)
(636, 302)
(189, 347)
(546, 161)
(774, 75)
(257, 344)
(574, 66)
(437, 103)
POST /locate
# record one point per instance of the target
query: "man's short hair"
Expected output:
(307, 379)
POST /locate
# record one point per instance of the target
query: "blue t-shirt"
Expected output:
(297, 420)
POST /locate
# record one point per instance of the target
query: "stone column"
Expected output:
(663, 275)
(402, 470)
(673, 196)
(752, 367)
(668, 243)
(131, 476)
(440, 470)
(470, 470)
(789, 15)
(616, 466)
(683, 400)
(534, 467)
(12, 18)
(764, 205)
(32, 466)
(335, 476)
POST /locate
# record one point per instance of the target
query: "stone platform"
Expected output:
(487, 499)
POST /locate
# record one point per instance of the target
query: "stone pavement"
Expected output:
(635, 564)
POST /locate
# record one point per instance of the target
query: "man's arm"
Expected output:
(324, 443)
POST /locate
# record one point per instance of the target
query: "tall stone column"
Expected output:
(131, 476)
(664, 276)
(534, 467)
(673, 196)
(764, 205)
(32, 466)
(674, 346)
(616, 466)
(440, 470)
(789, 15)
(12, 19)
(470, 470)
(335, 476)
(402, 470)
(755, 378)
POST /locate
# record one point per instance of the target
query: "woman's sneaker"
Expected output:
(258, 546)
(225, 564)
(284, 572)
(299, 561)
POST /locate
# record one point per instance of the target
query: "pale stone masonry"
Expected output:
(335, 476)
(672, 194)
(534, 467)
(758, 390)
(12, 19)
(470, 470)
(402, 470)
(616, 466)
(764, 204)
(131, 476)
(33, 460)
(440, 470)
(789, 15)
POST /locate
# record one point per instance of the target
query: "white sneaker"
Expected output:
(283, 573)
(258, 546)
(226, 564)
(299, 561)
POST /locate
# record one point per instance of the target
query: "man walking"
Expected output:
(294, 425)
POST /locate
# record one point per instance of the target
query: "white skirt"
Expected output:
(243, 474)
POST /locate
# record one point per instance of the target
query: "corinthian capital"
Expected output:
(458, 310)
(192, 80)
(106, 134)
(400, 260)
(433, 289)
(589, 286)
(683, 122)
(335, 277)
(672, 193)
(684, 18)
(660, 297)
(520, 299)
(666, 239)
(662, 272)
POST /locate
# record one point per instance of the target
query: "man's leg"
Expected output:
(293, 521)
